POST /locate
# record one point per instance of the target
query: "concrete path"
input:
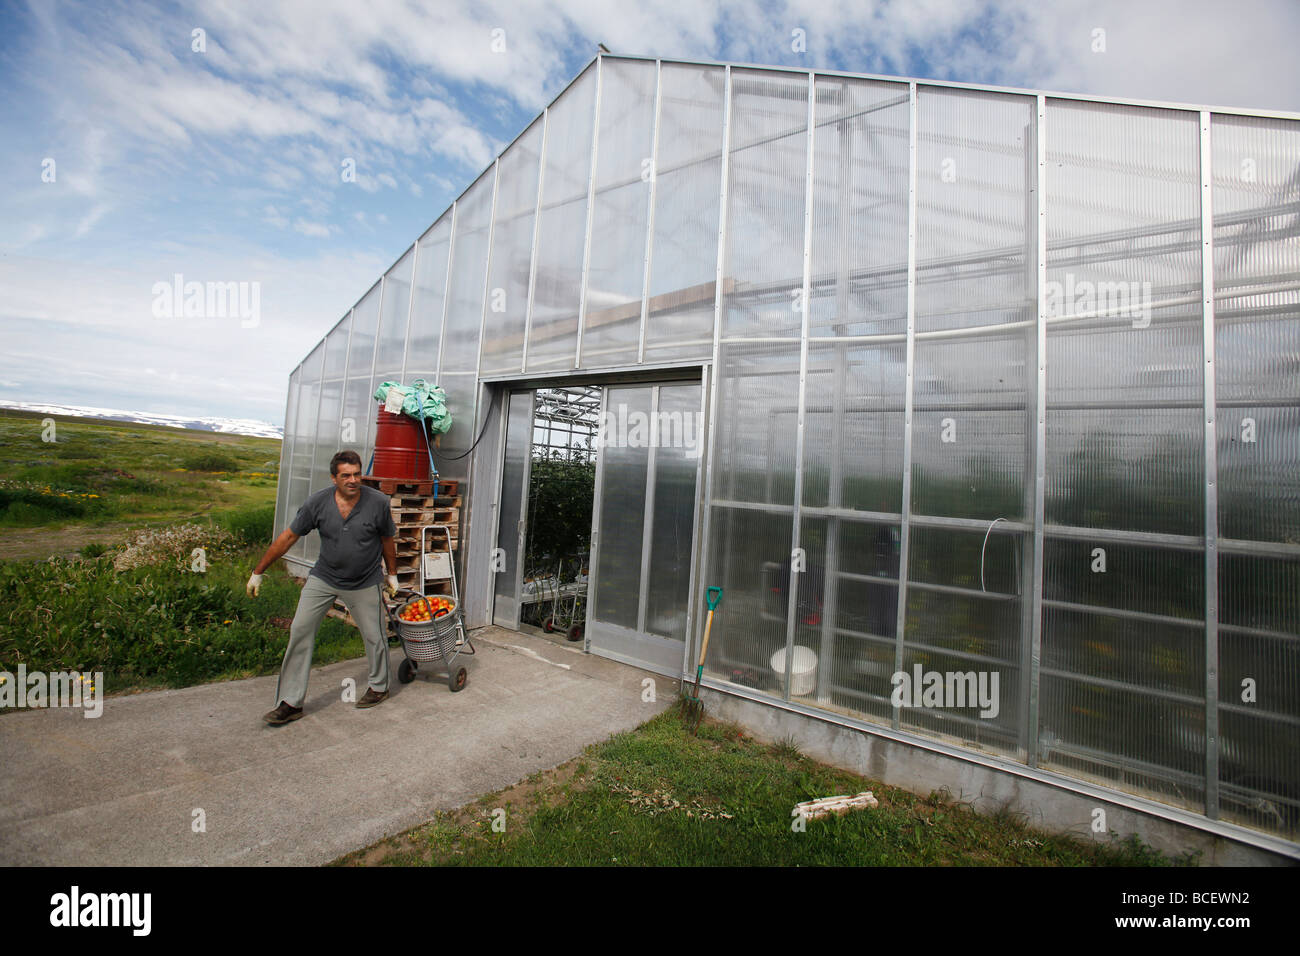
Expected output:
(122, 789)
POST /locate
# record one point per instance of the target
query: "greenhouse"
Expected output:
(949, 389)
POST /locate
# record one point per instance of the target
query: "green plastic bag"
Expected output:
(420, 401)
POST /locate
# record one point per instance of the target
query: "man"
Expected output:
(355, 524)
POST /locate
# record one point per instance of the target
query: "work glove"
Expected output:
(254, 585)
(391, 584)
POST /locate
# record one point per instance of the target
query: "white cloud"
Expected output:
(318, 230)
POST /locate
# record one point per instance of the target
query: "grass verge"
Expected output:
(660, 796)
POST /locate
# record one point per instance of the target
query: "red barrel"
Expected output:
(400, 450)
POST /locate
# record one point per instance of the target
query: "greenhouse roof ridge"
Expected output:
(877, 77)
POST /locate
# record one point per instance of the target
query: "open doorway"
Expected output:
(598, 517)
(557, 522)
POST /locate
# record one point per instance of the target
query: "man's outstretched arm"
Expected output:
(277, 549)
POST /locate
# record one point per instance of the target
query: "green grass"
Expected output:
(659, 796)
(76, 500)
(154, 626)
(81, 471)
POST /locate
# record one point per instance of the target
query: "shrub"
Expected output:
(210, 461)
(252, 526)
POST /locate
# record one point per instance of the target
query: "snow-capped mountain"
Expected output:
(234, 426)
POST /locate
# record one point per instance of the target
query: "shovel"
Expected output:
(693, 707)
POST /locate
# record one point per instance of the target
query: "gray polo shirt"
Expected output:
(351, 551)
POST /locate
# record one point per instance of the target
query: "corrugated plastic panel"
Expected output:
(624, 165)
(765, 204)
(684, 249)
(557, 292)
(512, 254)
(859, 215)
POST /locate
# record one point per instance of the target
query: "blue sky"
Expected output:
(223, 164)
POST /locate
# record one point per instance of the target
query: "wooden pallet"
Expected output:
(398, 486)
(405, 487)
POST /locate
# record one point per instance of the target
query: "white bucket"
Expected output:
(803, 673)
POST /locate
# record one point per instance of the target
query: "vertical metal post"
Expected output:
(537, 226)
(650, 209)
(1040, 435)
(905, 531)
(591, 203)
(711, 425)
(792, 613)
(1211, 478)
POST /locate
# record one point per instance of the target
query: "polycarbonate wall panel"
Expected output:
(859, 214)
(688, 176)
(518, 446)
(460, 337)
(677, 454)
(853, 461)
(1123, 666)
(965, 608)
(1257, 422)
(361, 358)
(972, 425)
(1259, 691)
(566, 174)
(751, 516)
(428, 298)
(853, 426)
(1122, 695)
(1257, 326)
(971, 434)
(391, 350)
(329, 430)
(336, 351)
(286, 454)
(1125, 445)
(766, 183)
(846, 613)
(622, 513)
(512, 254)
(620, 213)
(304, 444)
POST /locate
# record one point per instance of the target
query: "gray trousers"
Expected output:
(367, 609)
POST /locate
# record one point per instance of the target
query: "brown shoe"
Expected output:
(282, 714)
(370, 698)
